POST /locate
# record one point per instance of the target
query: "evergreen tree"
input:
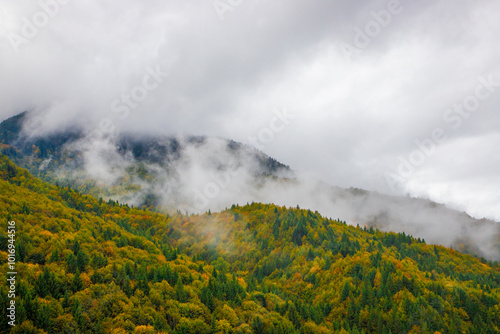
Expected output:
(180, 294)
(71, 263)
(345, 292)
(76, 283)
(81, 261)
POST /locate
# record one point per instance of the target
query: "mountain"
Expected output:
(89, 266)
(65, 144)
(198, 174)
(137, 169)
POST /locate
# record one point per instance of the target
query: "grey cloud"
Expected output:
(354, 119)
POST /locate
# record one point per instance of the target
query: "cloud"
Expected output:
(197, 175)
(355, 118)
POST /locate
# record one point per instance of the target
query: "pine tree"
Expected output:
(180, 294)
(293, 316)
(207, 298)
(258, 325)
(54, 257)
(328, 263)
(81, 261)
(299, 232)
(310, 255)
(76, 247)
(76, 283)
(345, 292)
(71, 264)
(276, 228)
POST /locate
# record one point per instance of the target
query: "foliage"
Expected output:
(89, 266)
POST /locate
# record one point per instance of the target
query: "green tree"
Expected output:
(77, 282)
(71, 263)
(180, 294)
(81, 261)
(345, 292)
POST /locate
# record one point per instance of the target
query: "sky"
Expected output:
(399, 97)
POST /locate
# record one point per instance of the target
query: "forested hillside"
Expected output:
(135, 168)
(195, 174)
(89, 266)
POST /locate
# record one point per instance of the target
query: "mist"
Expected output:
(197, 175)
(362, 101)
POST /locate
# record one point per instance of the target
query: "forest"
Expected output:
(86, 265)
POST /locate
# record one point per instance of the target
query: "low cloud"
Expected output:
(195, 175)
(354, 119)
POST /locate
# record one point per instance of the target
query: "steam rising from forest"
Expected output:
(201, 174)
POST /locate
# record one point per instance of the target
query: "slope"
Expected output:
(85, 265)
(195, 174)
(137, 169)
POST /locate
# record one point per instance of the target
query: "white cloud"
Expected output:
(354, 119)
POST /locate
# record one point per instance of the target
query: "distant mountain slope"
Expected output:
(138, 169)
(196, 174)
(84, 265)
(148, 149)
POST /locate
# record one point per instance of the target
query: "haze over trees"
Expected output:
(198, 174)
(89, 265)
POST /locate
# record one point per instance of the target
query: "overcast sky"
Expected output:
(372, 94)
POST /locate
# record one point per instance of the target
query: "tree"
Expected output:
(207, 298)
(345, 292)
(76, 247)
(81, 261)
(276, 228)
(77, 282)
(71, 263)
(190, 326)
(299, 232)
(55, 257)
(180, 294)
(47, 284)
(258, 325)
(310, 255)
(328, 263)
(293, 316)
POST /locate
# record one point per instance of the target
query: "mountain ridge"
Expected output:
(198, 174)
(61, 157)
(85, 265)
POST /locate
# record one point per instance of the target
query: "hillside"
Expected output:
(195, 174)
(139, 169)
(89, 266)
